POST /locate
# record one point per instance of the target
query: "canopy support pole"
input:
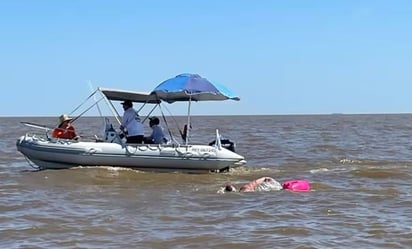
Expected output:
(110, 105)
(188, 119)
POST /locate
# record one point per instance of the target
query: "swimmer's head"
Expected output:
(230, 188)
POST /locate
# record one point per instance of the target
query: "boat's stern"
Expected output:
(226, 149)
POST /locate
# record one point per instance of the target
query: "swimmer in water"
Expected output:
(268, 184)
(261, 184)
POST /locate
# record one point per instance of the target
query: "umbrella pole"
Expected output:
(188, 120)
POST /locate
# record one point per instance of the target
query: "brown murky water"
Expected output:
(360, 168)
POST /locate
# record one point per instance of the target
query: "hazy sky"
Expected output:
(280, 57)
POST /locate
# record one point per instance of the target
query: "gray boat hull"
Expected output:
(62, 153)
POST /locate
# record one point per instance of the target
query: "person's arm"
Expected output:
(251, 186)
(126, 119)
(71, 132)
(152, 135)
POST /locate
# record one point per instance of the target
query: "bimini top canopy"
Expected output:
(122, 95)
(192, 87)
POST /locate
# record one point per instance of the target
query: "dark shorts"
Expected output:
(135, 139)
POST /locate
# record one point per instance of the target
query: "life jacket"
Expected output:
(67, 133)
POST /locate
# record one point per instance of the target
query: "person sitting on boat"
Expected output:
(131, 125)
(65, 129)
(158, 135)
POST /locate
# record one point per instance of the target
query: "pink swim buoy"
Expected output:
(296, 185)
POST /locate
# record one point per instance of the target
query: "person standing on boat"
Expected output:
(65, 129)
(131, 124)
(158, 135)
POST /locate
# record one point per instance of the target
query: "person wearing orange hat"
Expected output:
(65, 129)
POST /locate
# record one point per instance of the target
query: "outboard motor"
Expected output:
(110, 134)
(226, 143)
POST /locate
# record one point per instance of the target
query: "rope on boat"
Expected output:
(142, 147)
(206, 155)
(177, 124)
(32, 164)
(154, 148)
(129, 152)
(185, 153)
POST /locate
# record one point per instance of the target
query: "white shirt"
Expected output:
(131, 122)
